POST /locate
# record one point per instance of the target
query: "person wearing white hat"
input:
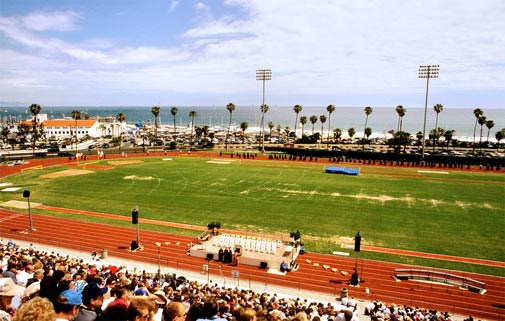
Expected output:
(8, 290)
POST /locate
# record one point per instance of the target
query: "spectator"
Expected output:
(141, 309)
(36, 309)
(67, 305)
(8, 290)
(174, 311)
(211, 309)
(92, 300)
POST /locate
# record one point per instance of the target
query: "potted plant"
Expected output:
(214, 227)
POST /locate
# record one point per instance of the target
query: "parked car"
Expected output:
(65, 154)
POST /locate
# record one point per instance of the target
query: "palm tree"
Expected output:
(489, 125)
(313, 120)
(297, 109)
(482, 121)
(121, 118)
(368, 133)
(303, 121)
(156, 112)
(264, 108)
(243, 126)
(76, 114)
(192, 114)
(477, 112)
(448, 136)
(174, 111)
(231, 108)
(401, 111)
(499, 135)
(437, 108)
(351, 131)
(271, 126)
(368, 111)
(330, 109)
(322, 119)
(337, 133)
(35, 110)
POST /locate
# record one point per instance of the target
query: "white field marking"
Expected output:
(139, 178)
(11, 189)
(432, 172)
(166, 159)
(5, 184)
(219, 162)
(157, 185)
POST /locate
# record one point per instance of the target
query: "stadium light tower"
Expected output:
(263, 75)
(427, 71)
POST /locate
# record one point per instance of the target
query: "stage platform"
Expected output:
(256, 251)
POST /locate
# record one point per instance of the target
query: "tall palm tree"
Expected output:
(271, 126)
(76, 115)
(303, 121)
(121, 118)
(499, 135)
(192, 114)
(264, 108)
(322, 119)
(477, 112)
(156, 112)
(330, 109)
(489, 125)
(243, 127)
(368, 111)
(401, 111)
(297, 109)
(482, 121)
(437, 108)
(448, 136)
(337, 133)
(231, 108)
(313, 120)
(35, 110)
(174, 111)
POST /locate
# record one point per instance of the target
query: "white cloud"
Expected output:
(54, 21)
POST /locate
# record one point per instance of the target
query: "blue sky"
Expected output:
(179, 53)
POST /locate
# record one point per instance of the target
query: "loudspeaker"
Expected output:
(210, 256)
(354, 279)
(263, 265)
(135, 217)
(357, 242)
(134, 245)
(26, 193)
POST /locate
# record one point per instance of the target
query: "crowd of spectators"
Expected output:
(46, 286)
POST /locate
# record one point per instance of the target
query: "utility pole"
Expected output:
(427, 71)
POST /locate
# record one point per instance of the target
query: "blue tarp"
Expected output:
(342, 170)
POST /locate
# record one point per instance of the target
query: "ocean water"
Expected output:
(382, 119)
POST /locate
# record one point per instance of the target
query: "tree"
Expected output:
(174, 111)
(192, 114)
(231, 108)
(337, 134)
(271, 126)
(303, 121)
(322, 119)
(121, 118)
(368, 111)
(313, 120)
(489, 125)
(419, 136)
(351, 131)
(477, 112)
(437, 108)
(243, 126)
(35, 110)
(499, 135)
(401, 111)
(482, 121)
(264, 108)
(448, 136)
(156, 112)
(330, 109)
(297, 109)
(76, 115)
(368, 133)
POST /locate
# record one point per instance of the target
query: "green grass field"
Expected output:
(454, 213)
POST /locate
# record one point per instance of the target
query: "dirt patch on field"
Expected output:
(65, 173)
(125, 162)
(18, 204)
